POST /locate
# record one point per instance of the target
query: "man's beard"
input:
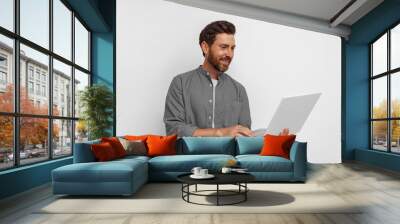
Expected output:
(216, 63)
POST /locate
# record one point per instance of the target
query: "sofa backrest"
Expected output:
(249, 145)
(206, 145)
(191, 146)
(83, 152)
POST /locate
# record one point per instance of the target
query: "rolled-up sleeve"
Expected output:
(174, 113)
(245, 118)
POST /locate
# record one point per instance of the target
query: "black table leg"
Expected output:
(188, 189)
(245, 193)
(217, 194)
(182, 189)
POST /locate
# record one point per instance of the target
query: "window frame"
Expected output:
(15, 72)
(388, 74)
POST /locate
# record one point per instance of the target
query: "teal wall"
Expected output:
(103, 64)
(102, 58)
(356, 81)
(24, 178)
(99, 15)
(103, 52)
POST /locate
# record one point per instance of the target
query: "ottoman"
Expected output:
(118, 177)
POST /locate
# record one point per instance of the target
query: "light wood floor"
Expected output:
(378, 188)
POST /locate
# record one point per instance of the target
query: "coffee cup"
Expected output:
(226, 170)
(196, 171)
(203, 172)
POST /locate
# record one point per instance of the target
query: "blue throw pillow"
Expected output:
(208, 145)
(249, 145)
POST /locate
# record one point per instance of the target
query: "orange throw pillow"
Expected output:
(142, 138)
(161, 145)
(277, 145)
(103, 152)
(116, 145)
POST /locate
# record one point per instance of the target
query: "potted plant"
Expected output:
(96, 102)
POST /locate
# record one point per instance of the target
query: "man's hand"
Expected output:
(285, 132)
(234, 131)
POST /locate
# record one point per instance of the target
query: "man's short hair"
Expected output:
(209, 33)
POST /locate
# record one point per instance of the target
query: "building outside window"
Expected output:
(38, 89)
(44, 77)
(37, 75)
(3, 72)
(30, 72)
(30, 87)
(43, 90)
(3, 78)
(3, 61)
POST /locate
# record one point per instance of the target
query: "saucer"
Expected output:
(240, 171)
(208, 176)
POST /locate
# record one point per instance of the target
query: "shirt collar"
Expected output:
(202, 71)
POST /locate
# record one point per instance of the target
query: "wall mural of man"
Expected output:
(206, 101)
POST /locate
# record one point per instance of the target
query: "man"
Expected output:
(206, 101)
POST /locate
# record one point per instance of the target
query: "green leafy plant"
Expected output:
(96, 102)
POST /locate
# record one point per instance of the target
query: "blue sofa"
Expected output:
(125, 176)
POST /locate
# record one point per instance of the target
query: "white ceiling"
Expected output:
(319, 9)
(316, 15)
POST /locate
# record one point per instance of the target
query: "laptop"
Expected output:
(291, 113)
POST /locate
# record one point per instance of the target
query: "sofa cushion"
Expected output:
(249, 145)
(277, 145)
(116, 145)
(185, 163)
(257, 163)
(161, 145)
(208, 145)
(103, 152)
(142, 138)
(83, 152)
(132, 158)
(111, 171)
(135, 147)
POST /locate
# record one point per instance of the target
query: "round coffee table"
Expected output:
(238, 179)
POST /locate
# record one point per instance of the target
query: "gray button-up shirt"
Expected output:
(189, 103)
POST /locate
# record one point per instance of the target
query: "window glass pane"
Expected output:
(81, 81)
(395, 136)
(395, 47)
(379, 55)
(81, 45)
(7, 14)
(62, 29)
(379, 98)
(62, 89)
(62, 137)
(34, 81)
(81, 131)
(379, 135)
(6, 142)
(33, 139)
(35, 21)
(395, 94)
(6, 74)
